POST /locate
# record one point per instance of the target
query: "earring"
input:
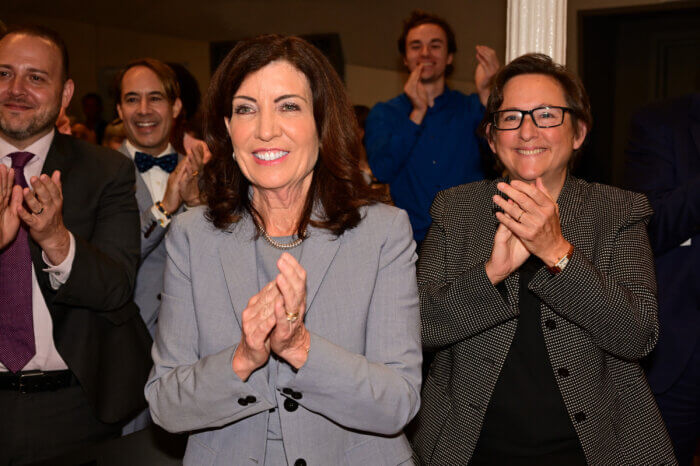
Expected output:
(233, 155)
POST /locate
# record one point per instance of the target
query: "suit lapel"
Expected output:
(320, 247)
(58, 158)
(237, 256)
(143, 195)
(569, 204)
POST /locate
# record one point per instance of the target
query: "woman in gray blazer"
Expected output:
(538, 293)
(289, 328)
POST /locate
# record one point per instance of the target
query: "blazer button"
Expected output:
(272, 410)
(158, 296)
(580, 417)
(287, 391)
(296, 395)
(250, 399)
(290, 405)
(300, 462)
(563, 371)
(243, 402)
(550, 324)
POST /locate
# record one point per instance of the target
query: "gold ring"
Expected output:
(195, 173)
(520, 216)
(292, 316)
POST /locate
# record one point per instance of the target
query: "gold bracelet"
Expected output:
(161, 208)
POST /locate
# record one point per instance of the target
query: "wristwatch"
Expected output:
(561, 263)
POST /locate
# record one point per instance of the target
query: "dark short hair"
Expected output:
(337, 184)
(538, 63)
(46, 34)
(92, 95)
(419, 17)
(190, 95)
(165, 74)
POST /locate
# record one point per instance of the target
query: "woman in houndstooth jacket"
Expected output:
(538, 294)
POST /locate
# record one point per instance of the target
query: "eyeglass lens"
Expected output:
(544, 117)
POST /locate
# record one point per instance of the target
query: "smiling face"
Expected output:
(147, 113)
(530, 152)
(427, 44)
(273, 130)
(32, 90)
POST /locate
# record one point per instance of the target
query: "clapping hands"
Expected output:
(529, 224)
(274, 321)
(43, 214)
(10, 200)
(486, 68)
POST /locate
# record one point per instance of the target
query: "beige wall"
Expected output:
(93, 48)
(367, 86)
(368, 31)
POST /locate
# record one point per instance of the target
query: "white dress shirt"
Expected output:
(46, 356)
(156, 180)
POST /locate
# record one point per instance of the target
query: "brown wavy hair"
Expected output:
(337, 184)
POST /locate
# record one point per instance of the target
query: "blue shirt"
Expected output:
(419, 160)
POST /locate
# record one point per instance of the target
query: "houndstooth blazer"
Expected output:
(598, 319)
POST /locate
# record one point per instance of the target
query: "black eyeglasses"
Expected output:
(542, 117)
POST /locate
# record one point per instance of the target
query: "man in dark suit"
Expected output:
(663, 161)
(74, 352)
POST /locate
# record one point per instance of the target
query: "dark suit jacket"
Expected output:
(598, 319)
(96, 325)
(663, 161)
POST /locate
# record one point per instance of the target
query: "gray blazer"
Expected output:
(598, 319)
(149, 280)
(361, 382)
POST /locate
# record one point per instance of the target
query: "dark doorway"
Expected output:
(630, 57)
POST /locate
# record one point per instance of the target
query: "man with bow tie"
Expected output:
(149, 105)
(74, 353)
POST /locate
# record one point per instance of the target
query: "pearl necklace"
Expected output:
(276, 244)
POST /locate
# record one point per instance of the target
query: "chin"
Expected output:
(526, 175)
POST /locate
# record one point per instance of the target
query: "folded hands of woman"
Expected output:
(529, 224)
(273, 321)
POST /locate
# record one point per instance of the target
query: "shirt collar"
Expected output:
(131, 149)
(443, 98)
(40, 148)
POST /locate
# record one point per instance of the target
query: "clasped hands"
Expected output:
(487, 66)
(44, 219)
(183, 182)
(529, 224)
(273, 321)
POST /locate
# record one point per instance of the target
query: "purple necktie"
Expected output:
(16, 324)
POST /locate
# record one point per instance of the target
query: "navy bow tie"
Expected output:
(145, 162)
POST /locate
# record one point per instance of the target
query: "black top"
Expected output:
(526, 421)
